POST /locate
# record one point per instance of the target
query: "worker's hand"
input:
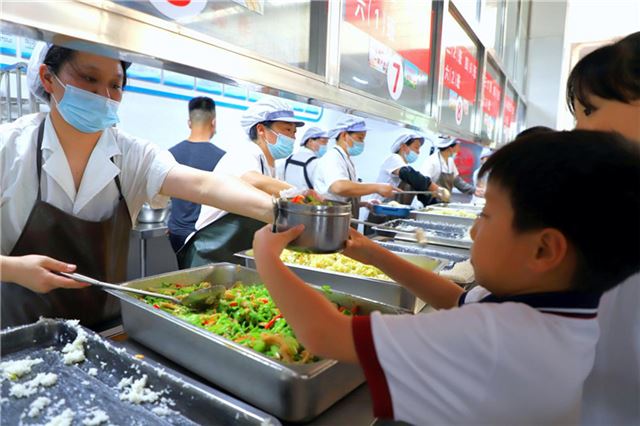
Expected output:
(443, 194)
(370, 203)
(387, 190)
(37, 273)
(359, 247)
(266, 242)
(479, 192)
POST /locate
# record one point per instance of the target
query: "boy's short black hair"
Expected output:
(534, 130)
(203, 103)
(611, 72)
(563, 180)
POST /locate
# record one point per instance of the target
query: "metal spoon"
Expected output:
(198, 300)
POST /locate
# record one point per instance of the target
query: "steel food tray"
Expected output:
(458, 206)
(383, 291)
(293, 392)
(449, 254)
(80, 390)
(445, 234)
(435, 214)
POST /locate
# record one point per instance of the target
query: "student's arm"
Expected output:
(347, 188)
(317, 323)
(37, 273)
(265, 183)
(221, 191)
(428, 286)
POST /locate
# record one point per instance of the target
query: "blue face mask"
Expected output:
(411, 156)
(283, 146)
(356, 149)
(86, 111)
(322, 150)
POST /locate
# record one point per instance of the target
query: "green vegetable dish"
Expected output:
(245, 314)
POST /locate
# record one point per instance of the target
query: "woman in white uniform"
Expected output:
(72, 184)
(300, 167)
(336, 176)
(441, 168)
(271, 128)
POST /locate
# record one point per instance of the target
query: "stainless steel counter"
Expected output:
(354, 409)
(150, 252)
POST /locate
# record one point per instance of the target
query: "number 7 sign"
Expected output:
(395, 77)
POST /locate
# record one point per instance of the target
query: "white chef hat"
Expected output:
(313, 133)
(268, 109)
(404, 138)
(445, 142)
(33, 70)
(348, 123)
(486, 152)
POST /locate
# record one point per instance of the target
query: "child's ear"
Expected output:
(551, 250)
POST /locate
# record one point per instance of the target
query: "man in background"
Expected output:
(196, 151)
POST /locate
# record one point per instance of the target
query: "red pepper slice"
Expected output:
(233, 303)
(298, 199)
(156, 306)
(273, 321)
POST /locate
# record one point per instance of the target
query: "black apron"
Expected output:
(445, 180)
(99, 249)
(220, 240)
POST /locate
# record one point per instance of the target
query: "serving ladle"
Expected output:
(198, 300)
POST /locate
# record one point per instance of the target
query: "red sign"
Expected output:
(491, 96)
(509, 111)
(460, 72)
(401, 26)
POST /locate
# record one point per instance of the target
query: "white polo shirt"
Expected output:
(391, 164)
(518, 360)
(612, 391)
(141, 165)
(434, 165)
(335, 165)
(246, 157)
(294, 174)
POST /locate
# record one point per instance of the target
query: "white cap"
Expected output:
(268, 109)
(348, 124)
(313, 133)
(33, 70)
(404, 138)
(445, 142)
(486, 152)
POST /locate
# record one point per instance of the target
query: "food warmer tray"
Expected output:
(435, 214)
(293, 392)
(188, 403)
(445, 234)
(383, 291)
(458, 206)
(449, 254)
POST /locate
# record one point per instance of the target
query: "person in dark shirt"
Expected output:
(198, 152)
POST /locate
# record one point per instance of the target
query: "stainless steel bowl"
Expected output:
(326, 227)
(150, 215)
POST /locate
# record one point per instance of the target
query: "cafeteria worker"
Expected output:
(72, 184)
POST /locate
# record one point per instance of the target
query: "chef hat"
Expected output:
(444, 142)
(348, 124)
(404, 138)
(486, 152)
(33, 70)
(268, 109)
(313, 133)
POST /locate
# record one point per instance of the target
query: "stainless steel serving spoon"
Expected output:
(198, 300)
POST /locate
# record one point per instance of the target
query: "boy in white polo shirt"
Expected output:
(543, 258)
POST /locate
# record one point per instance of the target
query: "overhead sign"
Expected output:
(491, 94)
(179, 9)
(395, 77)
(460, 72)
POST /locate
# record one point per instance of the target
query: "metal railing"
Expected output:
(13, 106)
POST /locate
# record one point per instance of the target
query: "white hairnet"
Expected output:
(486, 152)
(404, 138)
(33, 70)
(313, 133)
(268, 109)
(348, 123)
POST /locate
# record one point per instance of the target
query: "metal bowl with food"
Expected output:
(326, 223)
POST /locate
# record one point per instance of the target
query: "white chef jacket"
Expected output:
(294, 174)
(247, 157)
(335, 165)
(612, 391)
(519, 361)
(141, 165)
(435, 164)
(392, 163)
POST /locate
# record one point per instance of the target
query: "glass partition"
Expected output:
(291, 32)
(523, 36)
(385, 50)
(491, 12)
(511, 27)
(509, 123)
(491, 96)
(468, 9)
(460, 77)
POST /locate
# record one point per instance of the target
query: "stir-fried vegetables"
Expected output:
(335, 262)
(245, 314)
(310, 200)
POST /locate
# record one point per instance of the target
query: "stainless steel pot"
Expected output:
(326, 227)
(150, 215)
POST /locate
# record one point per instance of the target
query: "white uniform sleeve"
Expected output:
(426, 363)
(430, 167)
(392, 163)
(144, 168)
(329, 170)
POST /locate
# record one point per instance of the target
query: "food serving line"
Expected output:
(197, 371)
